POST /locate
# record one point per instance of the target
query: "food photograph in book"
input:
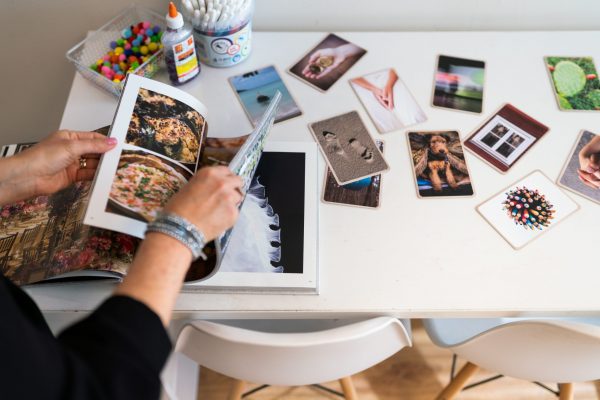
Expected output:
(44, 237)
(255, 89)
(581, 173)
(166, 126)
(269, 234)
(459, 84)
(575, 82)
(439, 164)
(143, 184)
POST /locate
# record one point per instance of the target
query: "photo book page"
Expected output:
(160, 131)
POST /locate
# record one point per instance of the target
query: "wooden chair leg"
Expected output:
(458, 383)
(566, 391)
(237, 390)
(348, 388)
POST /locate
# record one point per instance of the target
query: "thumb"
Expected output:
(90, 146)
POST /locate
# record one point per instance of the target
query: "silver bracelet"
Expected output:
(182, 230)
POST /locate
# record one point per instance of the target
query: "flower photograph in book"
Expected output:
(43, 237)
(143, 184)
(166, 126)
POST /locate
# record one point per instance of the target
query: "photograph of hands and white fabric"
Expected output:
(317, 199)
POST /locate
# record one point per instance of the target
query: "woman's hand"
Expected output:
(589, 162)
(339, 55)
(210, 200)
(52, 164)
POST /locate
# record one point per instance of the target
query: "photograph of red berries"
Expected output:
(575, 82)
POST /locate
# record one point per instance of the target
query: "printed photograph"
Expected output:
(143, 184)
(362, 193)
(526, 209)
(581, 173)
(505, 137)
(325, 64)
(459, 84)
(255, 90)
(439, 164)
(166, 126)
(348, 148)
(575, 82)
(220, 151)
(387, 100)
(273, 217)
(44, 237)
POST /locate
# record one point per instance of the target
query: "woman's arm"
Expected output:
(209, 201)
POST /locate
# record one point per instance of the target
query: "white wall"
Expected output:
(35, 34)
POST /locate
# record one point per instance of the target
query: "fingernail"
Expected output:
(111, 141)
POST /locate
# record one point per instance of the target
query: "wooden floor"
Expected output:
(416, 373)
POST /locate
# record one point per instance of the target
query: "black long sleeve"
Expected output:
(115, 353)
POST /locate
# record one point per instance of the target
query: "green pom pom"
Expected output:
(569, 78)
(564, 103)
(594, 98)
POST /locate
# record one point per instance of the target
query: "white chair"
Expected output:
(558, 350)
(289, 352)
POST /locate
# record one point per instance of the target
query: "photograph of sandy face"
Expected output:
(439, 164)
(348, 148)
(166, 126)
(388, 101)
(459, 84)
(362, 193)
(325, 64)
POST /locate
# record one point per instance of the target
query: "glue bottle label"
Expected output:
(186, 61)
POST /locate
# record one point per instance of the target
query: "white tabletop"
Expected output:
(411, 257)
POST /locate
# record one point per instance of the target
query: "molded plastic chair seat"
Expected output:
(299, 356)
(561, 350)
(447, 332)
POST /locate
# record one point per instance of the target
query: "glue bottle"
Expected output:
(180, 49)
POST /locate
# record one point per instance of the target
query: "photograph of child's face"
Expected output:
(325, 64)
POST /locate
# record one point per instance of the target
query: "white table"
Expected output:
(410, 258)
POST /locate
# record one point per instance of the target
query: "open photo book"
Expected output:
(92, 230)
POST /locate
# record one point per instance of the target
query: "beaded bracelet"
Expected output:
(182, 230)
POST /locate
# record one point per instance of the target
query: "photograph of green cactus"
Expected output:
(575, 82)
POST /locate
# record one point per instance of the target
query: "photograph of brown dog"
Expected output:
(439, 164)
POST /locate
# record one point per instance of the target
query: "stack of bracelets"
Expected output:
(182, 230)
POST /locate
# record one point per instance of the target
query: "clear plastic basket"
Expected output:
(97, 44)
